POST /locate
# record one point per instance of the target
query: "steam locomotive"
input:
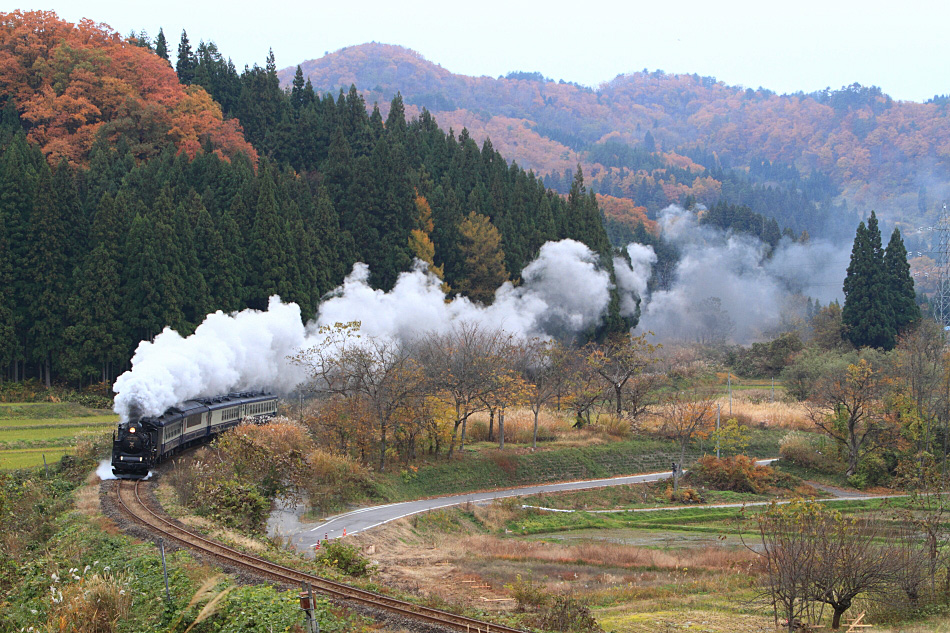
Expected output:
(140, 444)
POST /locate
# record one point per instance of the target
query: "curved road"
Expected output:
(305, 536)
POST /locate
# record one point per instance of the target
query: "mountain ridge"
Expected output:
(878, 152)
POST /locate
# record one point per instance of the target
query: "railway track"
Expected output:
(130, 502)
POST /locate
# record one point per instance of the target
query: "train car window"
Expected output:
(192, 421)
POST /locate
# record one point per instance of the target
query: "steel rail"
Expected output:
(292, 576)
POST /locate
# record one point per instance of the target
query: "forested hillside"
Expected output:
(658, 138)
(130, 201)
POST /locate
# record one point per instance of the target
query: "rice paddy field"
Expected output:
(31, 431)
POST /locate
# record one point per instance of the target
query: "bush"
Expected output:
(344, 557)
(808, 451)
(568, 614)
(872, 471)
(96, 604)
(683, 495)
(613, 426)
(526, 593)
(739, 474)
(234, 504)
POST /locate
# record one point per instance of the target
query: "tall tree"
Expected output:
(161, 46)
(900, 283)
(868, 316)
(484, 266)
(185, 66)
(47, 261)
(297, 90)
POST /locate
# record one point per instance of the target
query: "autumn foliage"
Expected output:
(870, 145)
(626, 212)
(73, 83)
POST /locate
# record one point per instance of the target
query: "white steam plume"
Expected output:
(725, 288)
(563, 292)
(632, 277)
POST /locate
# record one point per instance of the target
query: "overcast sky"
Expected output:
(783, 46)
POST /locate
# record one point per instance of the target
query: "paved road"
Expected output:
(305, 536)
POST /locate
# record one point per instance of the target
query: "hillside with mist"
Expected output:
(811, 161)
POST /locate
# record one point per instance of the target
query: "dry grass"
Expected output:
(612, 555)
(754, 409)
(519, 426)
(225, 535)
(95, 604)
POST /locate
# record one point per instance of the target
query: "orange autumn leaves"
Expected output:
(72, 83)
(626, 211)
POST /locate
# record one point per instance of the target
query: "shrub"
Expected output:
(739, 474)
(232, 503)
(334, 480)
(344, 557)
(683, 495)
(526, 593)
(872, 471)
(613, 426)
(806, 450)
(568, 614)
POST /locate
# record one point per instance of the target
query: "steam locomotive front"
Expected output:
(133, 449)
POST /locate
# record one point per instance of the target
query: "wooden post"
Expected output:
(161, 547)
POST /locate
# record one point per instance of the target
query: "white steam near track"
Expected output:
(726, 288)
(563, 291)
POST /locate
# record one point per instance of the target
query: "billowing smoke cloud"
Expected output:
(632, 277)
(227, 352)
(725, 289)
(564, 291)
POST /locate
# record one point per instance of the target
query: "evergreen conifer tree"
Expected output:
(900, 283)
(297, 90)
(867, 315)
(185, 66)
(161, 46)
(47, 262)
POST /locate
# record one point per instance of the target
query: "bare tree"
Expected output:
(583, 386)
(623, 359)
(380, 370)
(788, 556)
(814, 555)
(849, 561)
(686, 415)
(542, 366)
(461, 365)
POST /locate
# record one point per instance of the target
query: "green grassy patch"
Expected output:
(811, 474)
(50, 432)
(48, 410)
(32, 457)
(502, 469)
(30, 429)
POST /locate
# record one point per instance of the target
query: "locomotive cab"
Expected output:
(133, 449)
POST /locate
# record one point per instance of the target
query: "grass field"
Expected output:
(31, 457)
(30, 430)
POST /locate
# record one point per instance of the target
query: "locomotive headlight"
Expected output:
(132, 429)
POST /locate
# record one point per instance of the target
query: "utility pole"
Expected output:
(718, 411)
(730, 392)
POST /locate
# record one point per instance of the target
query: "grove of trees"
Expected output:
(154, 213)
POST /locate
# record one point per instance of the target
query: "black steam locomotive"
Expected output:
(138, 445)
